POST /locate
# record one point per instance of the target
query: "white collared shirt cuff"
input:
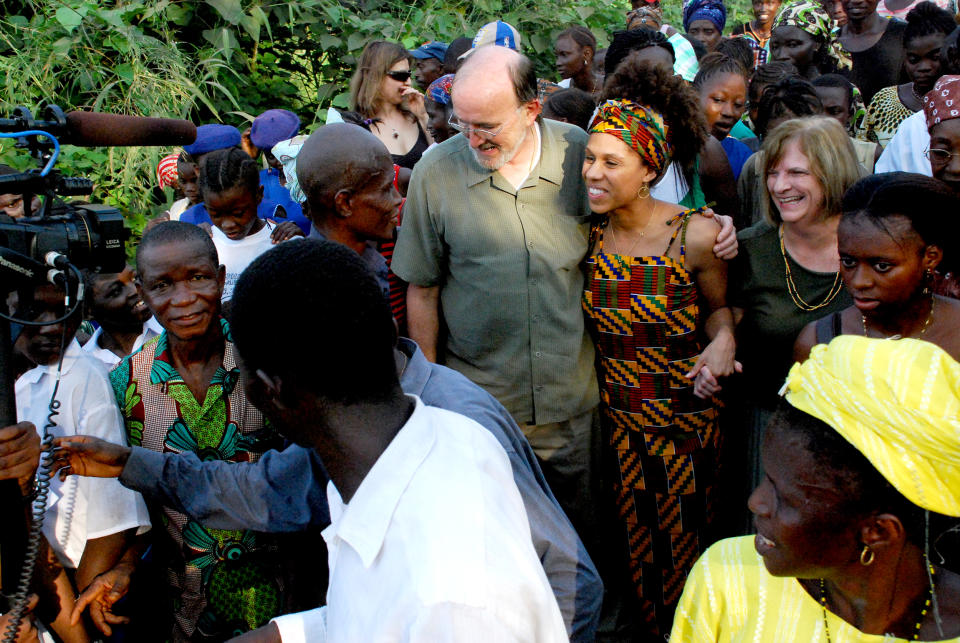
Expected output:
(294, 627)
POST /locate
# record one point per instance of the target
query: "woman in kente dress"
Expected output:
(654, 289)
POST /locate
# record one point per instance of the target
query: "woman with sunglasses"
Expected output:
(380, 91)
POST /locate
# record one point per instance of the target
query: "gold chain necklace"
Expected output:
(643, 231)
(923, 330)
(792, 287)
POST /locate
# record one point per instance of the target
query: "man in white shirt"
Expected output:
(126, 322)
(88, 520)
(429, 540)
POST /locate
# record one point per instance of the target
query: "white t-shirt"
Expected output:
(151, 328)
(237, 255)
(81, 508)
(433, 547)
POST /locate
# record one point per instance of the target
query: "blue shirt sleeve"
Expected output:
(283, 491)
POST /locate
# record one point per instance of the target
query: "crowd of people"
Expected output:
(666, 349)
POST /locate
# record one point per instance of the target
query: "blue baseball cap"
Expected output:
(430, 50)
(213, 137)
(497, 33)
(273, 126)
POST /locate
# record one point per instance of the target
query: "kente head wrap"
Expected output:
(712, 10)
(810, 16)
(642, 128)
(439, 90)
(942, 103)
(898, 403)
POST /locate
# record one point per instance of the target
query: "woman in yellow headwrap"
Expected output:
(862, 475)
(654, 288)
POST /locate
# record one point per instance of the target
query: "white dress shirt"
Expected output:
(434, 546)
(81, 508)
(904, 152)
(151, 328)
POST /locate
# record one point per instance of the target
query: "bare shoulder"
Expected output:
(946, 319)
(702, 233)
(805, 342)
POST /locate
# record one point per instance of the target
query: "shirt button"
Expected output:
(530, 243)
(538, 354)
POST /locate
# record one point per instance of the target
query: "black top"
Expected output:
(881, 65)
(410, 159)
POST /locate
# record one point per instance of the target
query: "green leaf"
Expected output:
(69, 18)
(125, 72)
(341, 100)
(62, 46)
(18, 21)
(356, 41)
(179, 14)
(329, 41)
(231, 10)
(584, 12)
(252, 26)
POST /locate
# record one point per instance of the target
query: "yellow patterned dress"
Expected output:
(644, 318)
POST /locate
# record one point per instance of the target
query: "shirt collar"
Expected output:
(414, 377)
(70, 356)
(365, 520)
(227, 374)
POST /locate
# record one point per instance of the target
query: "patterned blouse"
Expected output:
(884, 116)
(949, 5)
(223, 582)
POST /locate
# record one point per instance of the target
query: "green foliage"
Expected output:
(228, 60)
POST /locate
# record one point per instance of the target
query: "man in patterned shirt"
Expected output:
(182, 392)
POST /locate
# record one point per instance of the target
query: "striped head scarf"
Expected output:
(942, 103)
(167, 170)
(810, 16)
(712, 10)
(642, 128)
(898, 403)
(439, 90)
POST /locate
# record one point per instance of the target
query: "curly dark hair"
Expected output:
(927, 18)
(670, 95)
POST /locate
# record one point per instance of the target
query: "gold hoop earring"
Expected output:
(643, 192)
(866, 556)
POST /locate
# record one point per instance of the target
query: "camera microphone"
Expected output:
(95, 129)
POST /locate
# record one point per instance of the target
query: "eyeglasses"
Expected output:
(939, 157)
(399, 76)
(455, 123)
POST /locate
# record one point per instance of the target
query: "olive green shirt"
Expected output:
(771, 320)
(507, 262)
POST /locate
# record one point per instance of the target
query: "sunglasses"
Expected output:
(399, 76)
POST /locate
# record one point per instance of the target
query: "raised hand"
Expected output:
(19, 454)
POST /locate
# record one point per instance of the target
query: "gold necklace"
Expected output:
(926, 324)
(795, 293)
(643, 231)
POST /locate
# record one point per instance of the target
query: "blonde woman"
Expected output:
(788, 271)
(380, 92)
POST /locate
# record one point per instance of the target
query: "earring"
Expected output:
(643, 192)
(927, 278)
(866, 556)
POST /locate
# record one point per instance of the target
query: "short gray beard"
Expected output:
(505, 157)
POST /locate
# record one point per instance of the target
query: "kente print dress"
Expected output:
(644, 317)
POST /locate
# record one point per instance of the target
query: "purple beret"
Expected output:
(273, 126)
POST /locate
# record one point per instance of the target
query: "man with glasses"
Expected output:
(494, 229)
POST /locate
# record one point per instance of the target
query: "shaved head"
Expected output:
(339, 157)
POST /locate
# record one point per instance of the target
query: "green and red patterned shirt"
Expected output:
(224, 582)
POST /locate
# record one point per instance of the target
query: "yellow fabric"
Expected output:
(898, 403)
(730, 597)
